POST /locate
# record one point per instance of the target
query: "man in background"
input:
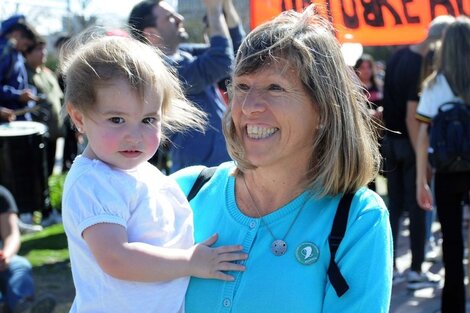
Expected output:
(50, 96)
(157, 23)
(16, 36)
(16, 279)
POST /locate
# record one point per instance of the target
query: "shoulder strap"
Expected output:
(202, 178)
(337, 233)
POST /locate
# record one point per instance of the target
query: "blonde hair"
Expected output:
(453, 60)
(97, 61)
(345, 148)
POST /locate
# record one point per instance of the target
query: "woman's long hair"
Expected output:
(453, 60)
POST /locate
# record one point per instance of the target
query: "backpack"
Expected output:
(449, 138)
(334, 239)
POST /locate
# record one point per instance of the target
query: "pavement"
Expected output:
(425, 300)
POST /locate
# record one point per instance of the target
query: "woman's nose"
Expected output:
(253, 102)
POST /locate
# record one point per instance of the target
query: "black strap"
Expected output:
(204, 176)
(334, 240)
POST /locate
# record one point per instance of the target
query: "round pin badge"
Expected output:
(307, 253)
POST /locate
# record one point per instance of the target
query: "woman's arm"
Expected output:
(423, 192)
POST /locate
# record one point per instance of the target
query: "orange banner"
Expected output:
(370, 22)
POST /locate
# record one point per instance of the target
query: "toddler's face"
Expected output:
(123, 131)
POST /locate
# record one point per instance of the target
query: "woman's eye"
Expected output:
(242, 87)
(275, 87)
(149, 120)
(116, 120)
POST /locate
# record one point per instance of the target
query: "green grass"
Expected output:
(46, 247)
(56, 185)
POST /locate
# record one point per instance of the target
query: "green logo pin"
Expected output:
(307, 253)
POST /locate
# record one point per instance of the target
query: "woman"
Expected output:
(299, 133)
(450, 81)
(365, 70)
(372, 88)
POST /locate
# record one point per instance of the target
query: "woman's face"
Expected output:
(274, 116)
(365, 71)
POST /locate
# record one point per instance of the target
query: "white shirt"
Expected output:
(433, 97)
(152, 209)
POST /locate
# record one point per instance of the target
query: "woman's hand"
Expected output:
(207, 262)
(424, 196)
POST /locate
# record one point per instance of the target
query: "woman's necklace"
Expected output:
(279, 246)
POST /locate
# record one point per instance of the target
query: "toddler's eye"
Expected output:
(149, 120)
(116, 120)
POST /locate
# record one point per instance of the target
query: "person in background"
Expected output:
(301, 138)
(431, 245)
(365, 70)
(48, 91)
(157, 23)
(16, 279)
(237, 34)
(450, 81)
(50, 94)
(16, 36)
(129, 227)
(372, 88)
(401, 87)
(71, 136)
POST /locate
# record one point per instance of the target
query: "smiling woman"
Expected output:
(303, 145)
(272, 131)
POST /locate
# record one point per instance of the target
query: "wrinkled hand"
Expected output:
(207, 262)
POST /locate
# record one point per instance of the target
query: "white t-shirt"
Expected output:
(152, 209)
(433, 97)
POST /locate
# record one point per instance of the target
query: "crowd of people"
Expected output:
(30, 92)
(271, 129)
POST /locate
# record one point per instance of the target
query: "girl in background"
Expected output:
(450, 81)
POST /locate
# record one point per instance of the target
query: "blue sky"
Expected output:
(47, 14)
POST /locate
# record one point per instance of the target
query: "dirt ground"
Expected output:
(56, 280)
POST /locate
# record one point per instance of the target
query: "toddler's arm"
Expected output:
(138, 261)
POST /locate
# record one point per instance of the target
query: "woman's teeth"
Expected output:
(257, 132)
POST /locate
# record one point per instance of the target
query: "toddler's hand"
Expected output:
(207, 262)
